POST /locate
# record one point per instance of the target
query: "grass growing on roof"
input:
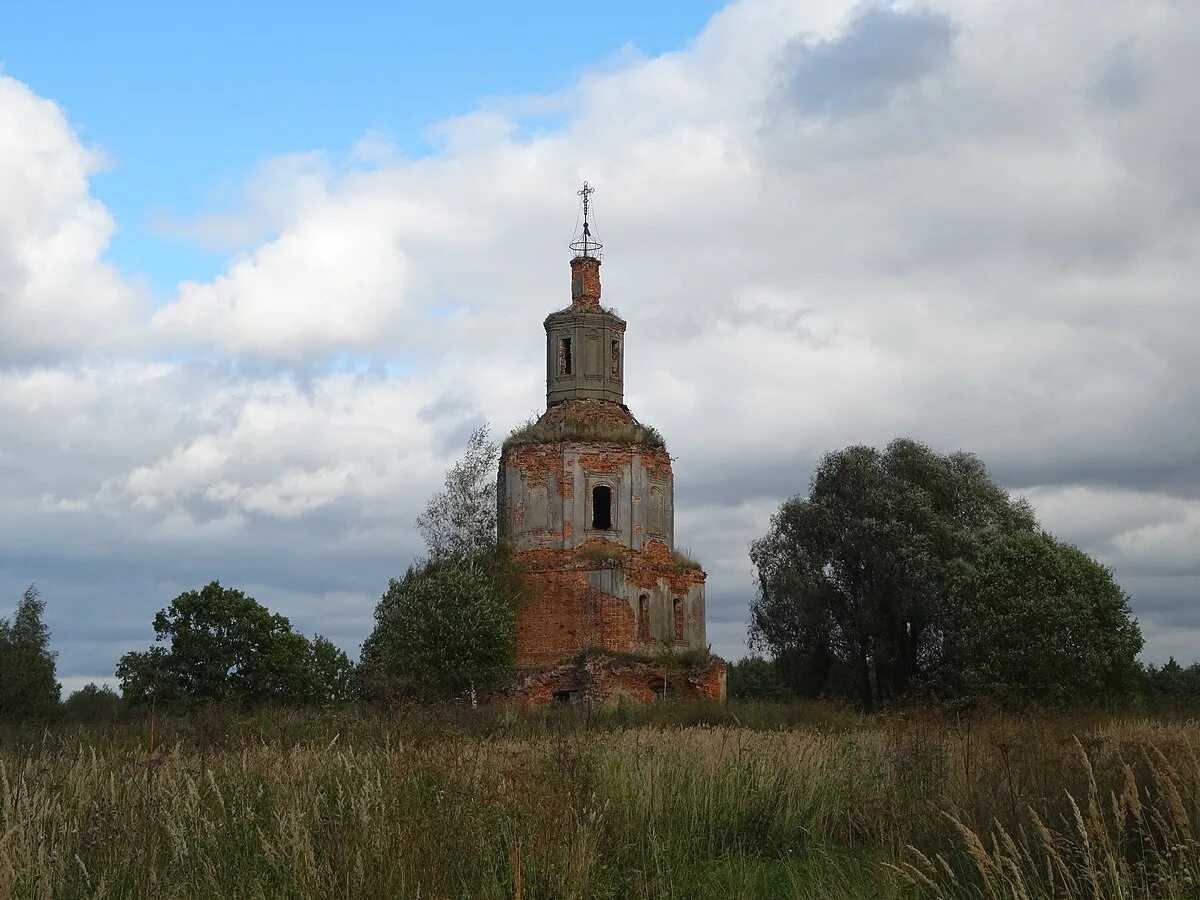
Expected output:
(535, 432)
(684, 561)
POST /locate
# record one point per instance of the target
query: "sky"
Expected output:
(263, 268)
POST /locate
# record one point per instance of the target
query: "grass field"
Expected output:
(687, 801)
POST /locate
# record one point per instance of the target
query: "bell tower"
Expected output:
(585, 343)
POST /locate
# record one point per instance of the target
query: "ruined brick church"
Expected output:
(587, 503)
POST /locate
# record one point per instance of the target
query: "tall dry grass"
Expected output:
(676, 801)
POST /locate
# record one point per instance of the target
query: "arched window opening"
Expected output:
(602, 508)
(644, 617)
(677, 610)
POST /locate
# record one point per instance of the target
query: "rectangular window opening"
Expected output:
(602, 508)
(564, 356)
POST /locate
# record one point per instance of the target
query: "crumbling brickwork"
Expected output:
(585, 282)
(608, 679)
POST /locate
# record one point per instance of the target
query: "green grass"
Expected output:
(668, 801)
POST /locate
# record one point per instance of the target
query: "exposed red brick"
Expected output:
(585, 282)
(604, 679)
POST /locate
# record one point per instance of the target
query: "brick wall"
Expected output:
(563, 613)
(607, 680)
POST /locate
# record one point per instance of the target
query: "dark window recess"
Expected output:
(564, 356)
(644, 617)
(616, 359)
(677, 609)
(602, 508)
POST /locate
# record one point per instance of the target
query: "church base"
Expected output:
(607, 679)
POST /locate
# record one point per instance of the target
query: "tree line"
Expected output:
(901, 575)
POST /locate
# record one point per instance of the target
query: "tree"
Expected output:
(146, 677)
(28, 688)
(225, 646)
(334, 675)
(447, 627)
(1032, 620)
(755, 678)
(93, 703)
(459, 522)
(1171, 685)
(851, 578)
(444, 629)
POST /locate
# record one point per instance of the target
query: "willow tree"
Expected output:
(853, 577)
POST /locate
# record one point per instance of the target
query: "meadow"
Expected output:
(802, 800)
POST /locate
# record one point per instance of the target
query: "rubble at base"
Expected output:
(607, 679)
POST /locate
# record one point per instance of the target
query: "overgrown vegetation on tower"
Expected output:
(538, 431)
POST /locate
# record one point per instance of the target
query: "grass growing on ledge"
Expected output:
(608, 310)
(684, 561)
(604, 556)
(674, 658)
(533, 432)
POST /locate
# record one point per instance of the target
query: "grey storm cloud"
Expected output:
(1120, 83)
(881, 49)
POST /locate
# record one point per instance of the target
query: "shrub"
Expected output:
(446, 628)
(93, 703)
(756, 678)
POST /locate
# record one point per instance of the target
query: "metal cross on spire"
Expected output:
(585, 244)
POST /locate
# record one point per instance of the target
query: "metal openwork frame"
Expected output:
(586, 244)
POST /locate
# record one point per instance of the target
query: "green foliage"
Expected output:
(1171, 686)
(459, 522)
(870, 586)
(92, 704)
(850, 578)
(28, 688)
(675, 658)
(444, 629)
(227, 647)
(335, 677)
(756, 678)
(1031, 620)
